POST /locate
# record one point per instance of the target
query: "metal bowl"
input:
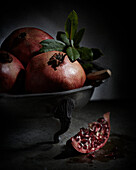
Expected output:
(31, 118)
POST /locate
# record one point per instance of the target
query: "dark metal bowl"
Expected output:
(52, 111)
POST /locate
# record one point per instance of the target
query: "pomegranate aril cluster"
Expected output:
(91, 138)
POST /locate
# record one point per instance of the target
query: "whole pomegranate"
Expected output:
(53, 71)
(11, 72)
(91, 139)
(24, 43)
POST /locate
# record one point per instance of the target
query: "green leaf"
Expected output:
(71, 25)
(86, 58)
(72, 53)
(87, 67)
(97, 53)
(51, 45)
(85, 53)
(78, 37)
(62, 37)
(89, 54)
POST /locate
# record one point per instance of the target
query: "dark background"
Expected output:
(109, 26)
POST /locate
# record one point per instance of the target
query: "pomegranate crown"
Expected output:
(56, 60)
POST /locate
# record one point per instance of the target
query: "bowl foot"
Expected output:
(63, 112)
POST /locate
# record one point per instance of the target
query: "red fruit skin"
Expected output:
(24, 43)
(9, 72)
(75, 144)
(41, 77)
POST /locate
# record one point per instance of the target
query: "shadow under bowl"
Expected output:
(28, 119)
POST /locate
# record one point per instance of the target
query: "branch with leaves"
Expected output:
(69, 42)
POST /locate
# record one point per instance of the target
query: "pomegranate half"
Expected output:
(53, 71)
(91, 139)
(11, 71)
(24, 43)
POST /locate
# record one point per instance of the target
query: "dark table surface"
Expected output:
(118, 153)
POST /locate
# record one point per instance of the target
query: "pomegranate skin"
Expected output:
(24, 43)
(10, 73)
(42, 77)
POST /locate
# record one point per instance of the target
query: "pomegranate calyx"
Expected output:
(56, 60)
(22, 35)
(5, 58)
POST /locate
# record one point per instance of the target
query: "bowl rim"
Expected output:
(2, 95)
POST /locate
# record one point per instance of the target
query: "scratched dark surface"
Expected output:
(118, 153)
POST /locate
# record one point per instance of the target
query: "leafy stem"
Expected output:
(69, 42)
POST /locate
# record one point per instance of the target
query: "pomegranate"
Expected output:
(94, 137)
(11, 71)
(53, 71)
(24, 43)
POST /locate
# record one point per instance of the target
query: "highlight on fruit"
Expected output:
(53, 71)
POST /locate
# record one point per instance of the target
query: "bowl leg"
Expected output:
(63, 112)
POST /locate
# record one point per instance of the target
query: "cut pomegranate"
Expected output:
(94, 137)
